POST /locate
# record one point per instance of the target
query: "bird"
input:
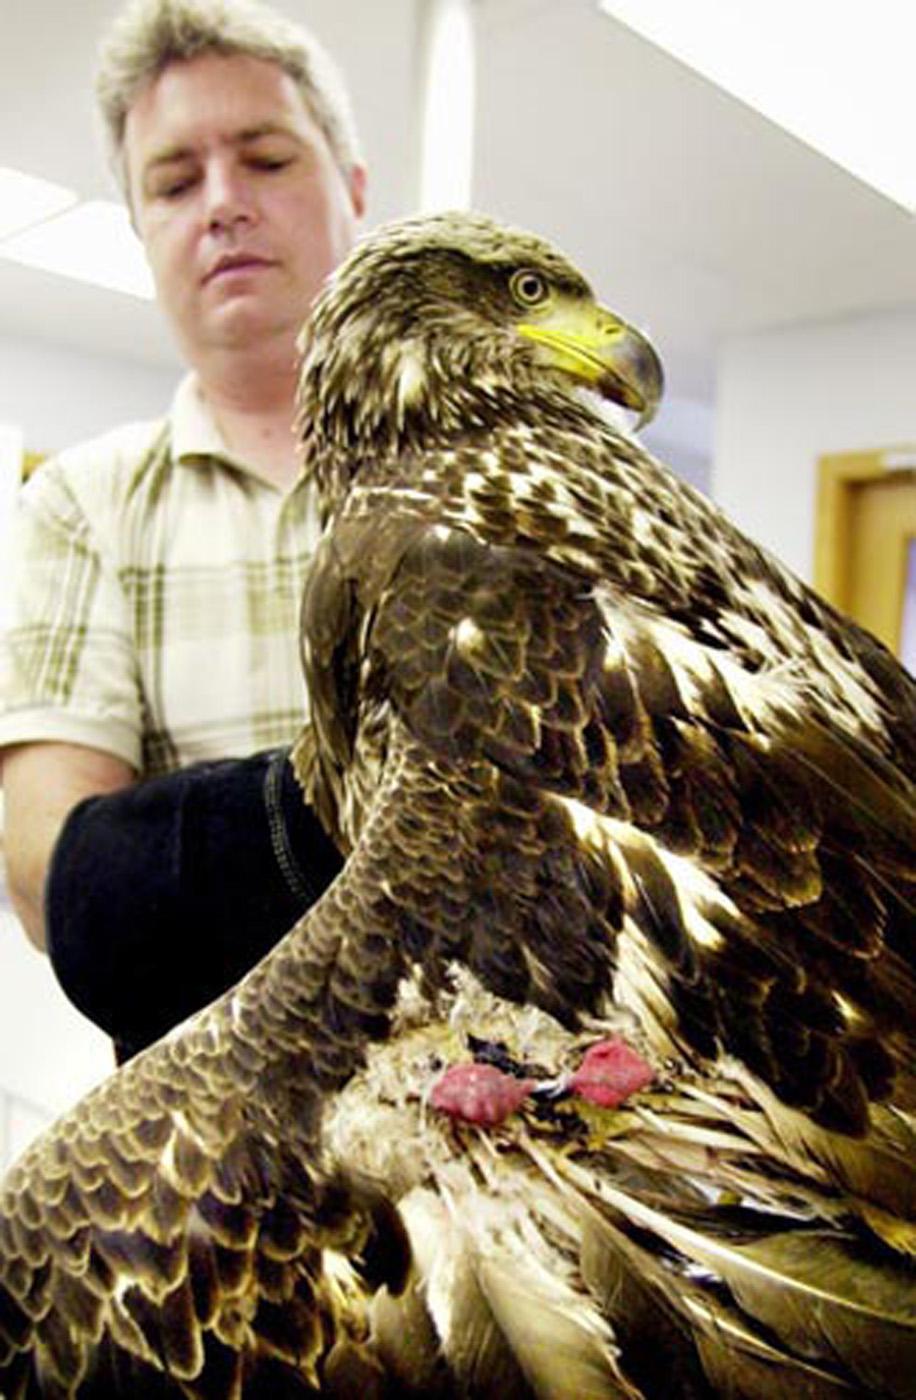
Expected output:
(591, 1074)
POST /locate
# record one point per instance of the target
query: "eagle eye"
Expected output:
(529, 288)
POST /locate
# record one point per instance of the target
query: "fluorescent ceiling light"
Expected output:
(26, 199)
(92, 242)
(447, 125)
(838, 77)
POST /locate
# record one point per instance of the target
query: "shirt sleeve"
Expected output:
(68, 668)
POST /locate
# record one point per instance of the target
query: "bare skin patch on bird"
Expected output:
(484, 1095)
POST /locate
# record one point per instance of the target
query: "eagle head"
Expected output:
(437, 324)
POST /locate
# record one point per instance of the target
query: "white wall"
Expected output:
(785, 397)
(60, 396)
(49, 1053)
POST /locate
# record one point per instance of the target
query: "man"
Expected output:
(160, 566)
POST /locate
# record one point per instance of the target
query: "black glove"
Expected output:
(160, 896)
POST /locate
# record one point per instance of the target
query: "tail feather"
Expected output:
(824, 1297)
(692, 1242)
(511, 1320)
(678, 1336)
(876, 1170)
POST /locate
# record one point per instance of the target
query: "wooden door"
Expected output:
(865, 560)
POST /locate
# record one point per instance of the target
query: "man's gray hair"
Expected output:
(148, 35)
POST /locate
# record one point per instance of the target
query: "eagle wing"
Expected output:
(636, 815)
(173, 1235)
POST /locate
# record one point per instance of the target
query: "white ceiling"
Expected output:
(689, 213)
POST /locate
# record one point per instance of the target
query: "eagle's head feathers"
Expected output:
(452, 320)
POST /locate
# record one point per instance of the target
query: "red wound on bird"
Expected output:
(610, 1071)
(479, 1094)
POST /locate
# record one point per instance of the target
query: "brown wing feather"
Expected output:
(166, 1237)
(462, 635)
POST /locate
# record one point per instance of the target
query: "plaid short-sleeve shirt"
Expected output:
(155, 599)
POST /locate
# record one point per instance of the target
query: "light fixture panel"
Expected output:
(837, 77)
(27, 199)
(92, 242)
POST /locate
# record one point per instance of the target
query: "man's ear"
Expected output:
(356, 183)
(121, 171)
(127, 195)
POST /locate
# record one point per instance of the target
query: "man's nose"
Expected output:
(228, 198)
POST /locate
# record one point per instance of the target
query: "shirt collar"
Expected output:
(195, 435)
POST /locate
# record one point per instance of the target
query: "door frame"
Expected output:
(839, 474)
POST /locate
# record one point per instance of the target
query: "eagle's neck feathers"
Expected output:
(412, 393)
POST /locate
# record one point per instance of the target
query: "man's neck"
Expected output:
(253, 404)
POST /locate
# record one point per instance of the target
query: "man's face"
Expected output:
(241, 206)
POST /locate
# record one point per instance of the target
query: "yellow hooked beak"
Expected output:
(595, 346)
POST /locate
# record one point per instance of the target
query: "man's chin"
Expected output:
(241, 324)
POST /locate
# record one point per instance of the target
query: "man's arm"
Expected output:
(153, 897)
(42, 783)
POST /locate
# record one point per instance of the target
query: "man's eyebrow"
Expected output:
(254, 133)
(170, 155)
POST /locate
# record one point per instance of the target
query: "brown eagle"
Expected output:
(606, 776)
